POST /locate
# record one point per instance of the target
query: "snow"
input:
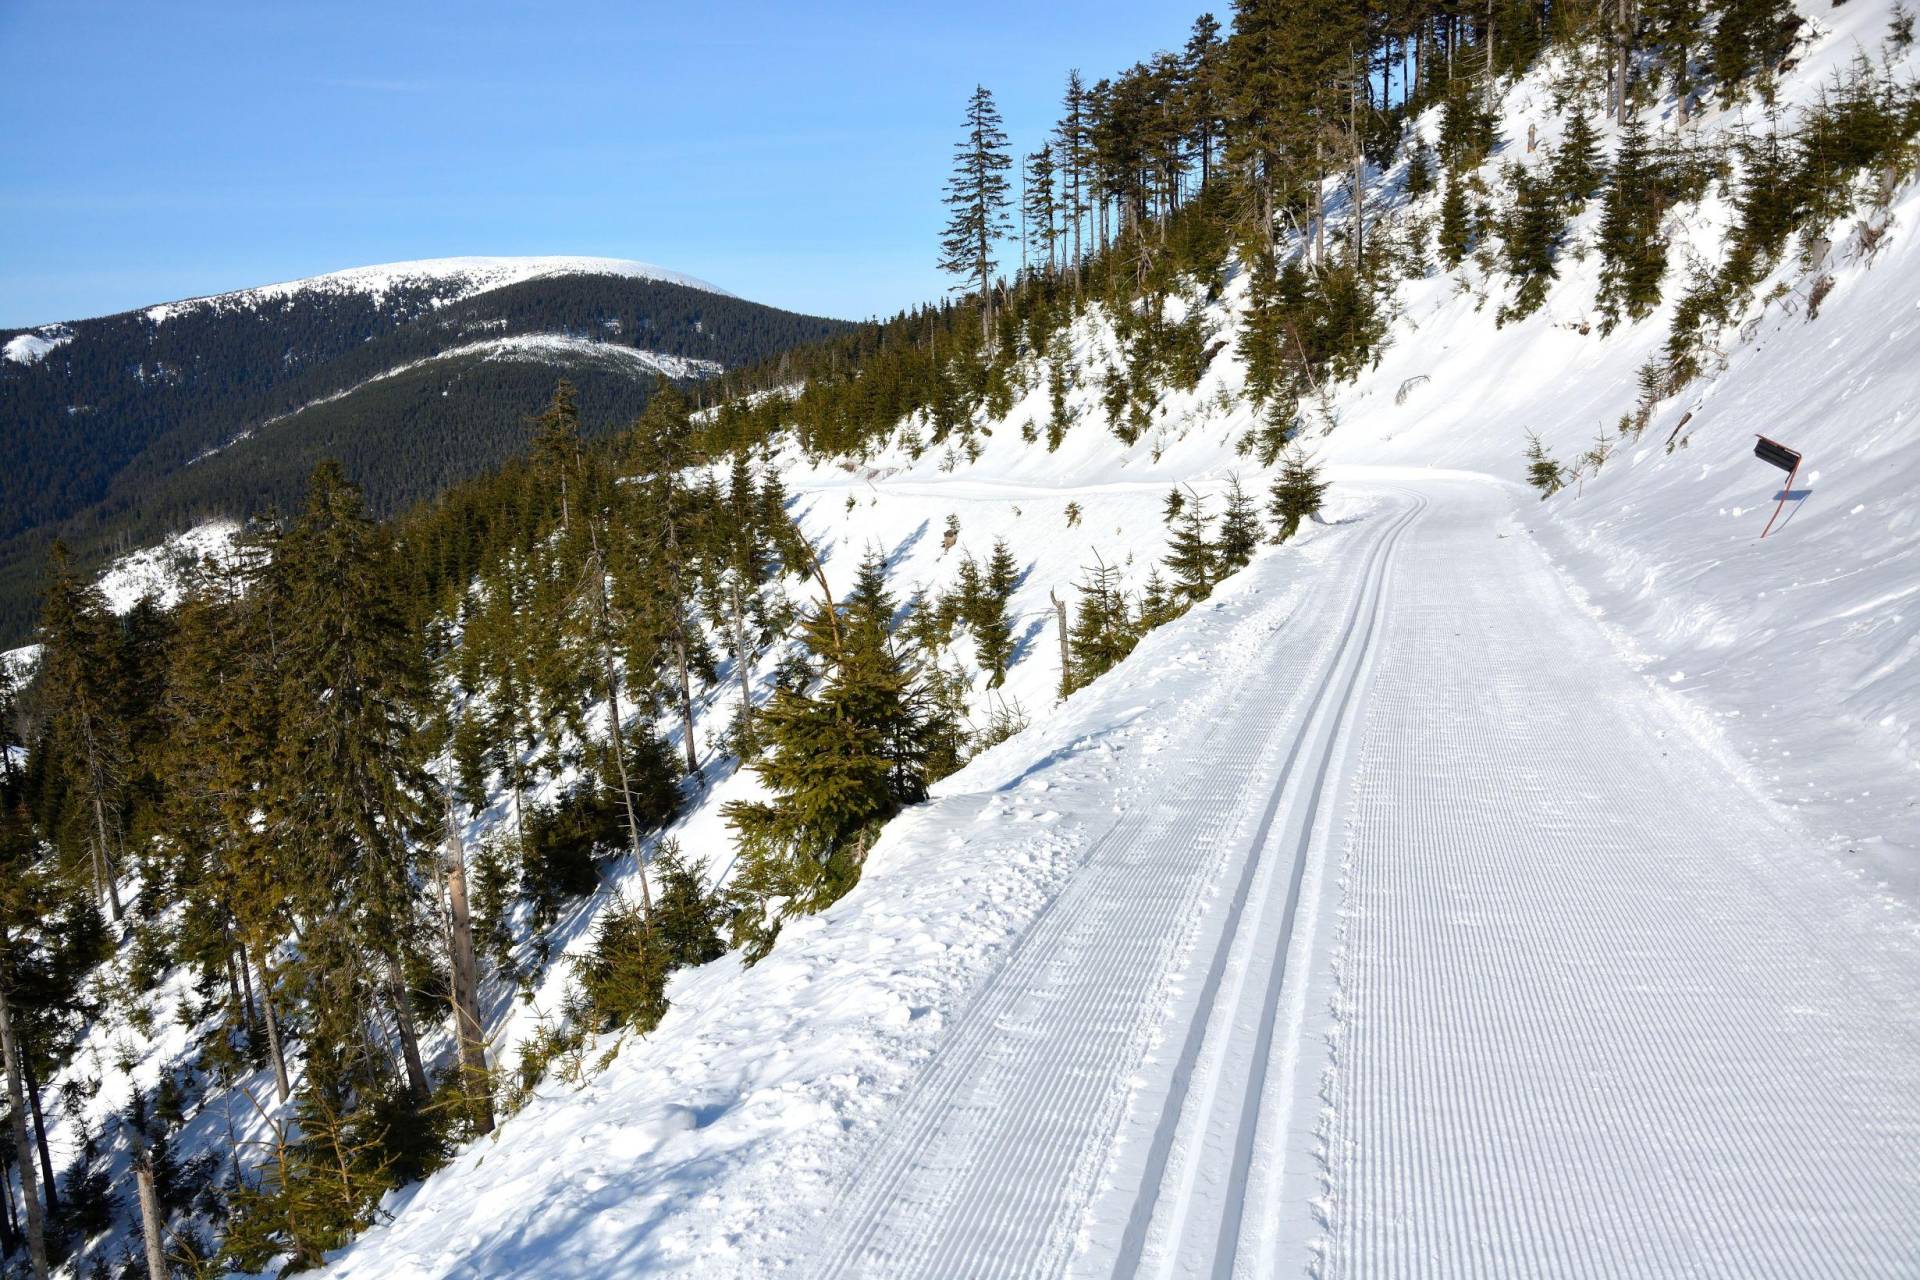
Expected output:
(158, 571)
(558, 346)
(1476, 886)
(553, 347)
(1473, 886)
(32, 348)
(452, 279)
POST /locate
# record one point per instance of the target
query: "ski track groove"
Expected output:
(1255, 993)
(1087, 1024)
(1579, 1002)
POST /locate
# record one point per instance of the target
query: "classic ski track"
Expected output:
(1231, 1086)
(996, 1207)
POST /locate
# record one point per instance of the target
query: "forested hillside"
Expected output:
(396, 829)
(132, 426)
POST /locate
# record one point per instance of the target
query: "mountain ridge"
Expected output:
(414, 374)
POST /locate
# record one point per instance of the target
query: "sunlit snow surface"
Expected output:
(32, 348)
(454, 278)
(1604, 937)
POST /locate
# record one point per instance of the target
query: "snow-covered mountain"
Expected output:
(447, 279)
(413, 374)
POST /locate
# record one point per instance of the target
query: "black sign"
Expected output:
(1777, 454)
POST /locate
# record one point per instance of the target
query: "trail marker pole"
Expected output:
(1776, 454)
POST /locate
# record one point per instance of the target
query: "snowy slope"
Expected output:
(556, 348)
(452, 279)
(156, 571)
(1452, 894)
(31, 348)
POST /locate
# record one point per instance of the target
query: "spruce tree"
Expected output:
(348, 801)
(1543, 473)
(977, 196)
(1534, 228)
(1190, 552)
(1157, 604)
(1239, 533)
(1203, 91)
(1751, 37)
(1071, 149)
(1297, 494)
(1633, 257)
(1456, 223)
(1577, 169)
(689, 915)
(556, 447)
(1419, 171)
(846, 739)
(1467, 128)
(653, 577)
(82, 681)
(1103, 633)
(1039, 207)
(991, 626)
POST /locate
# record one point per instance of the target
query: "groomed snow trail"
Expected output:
(1605, 1012)
(1443, 951)
(989, 1163)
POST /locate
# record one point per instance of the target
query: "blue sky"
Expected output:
(793, 153)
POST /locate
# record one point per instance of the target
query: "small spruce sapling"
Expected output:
(1543, 473)
(1191, 558)
(1239, 529)
(1419, 172)
(1297, 494)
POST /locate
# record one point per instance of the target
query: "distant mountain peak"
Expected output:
(462, 278)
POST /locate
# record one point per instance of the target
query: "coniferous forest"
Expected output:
(133, 427)
(261, 798)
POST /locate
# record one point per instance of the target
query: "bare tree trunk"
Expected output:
(36, 1222)
(1622, 40)
(686, 702)
(680, 641)
(153, 1223)
(742, 662)
(409, 1041)
(986, 289)
(1319, 208)
(9, 1219)
(1359, 186)
(1023, 216)
(466, 979)
(1066, 650)
(1490, 87)
(613, 722)
(282, 1087)
(103, 867)
(233, 987)
(246, 993)
(10, 1230)
(1079, 216)
(39, 1131)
